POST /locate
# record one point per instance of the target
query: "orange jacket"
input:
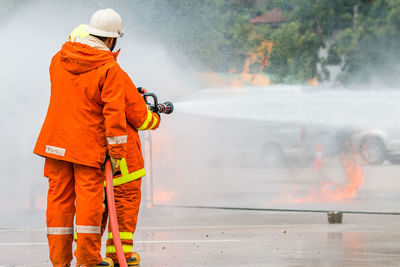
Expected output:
(86, 114)
(139, 118)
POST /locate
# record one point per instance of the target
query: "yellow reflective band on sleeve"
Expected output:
(123, 167)
(76, 236)
(125, 248)
(154, 122)
(129, 177)
(146, 122)
(122, 235)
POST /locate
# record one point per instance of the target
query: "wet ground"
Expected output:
(256, 186)
(204, 237)
(176, 236)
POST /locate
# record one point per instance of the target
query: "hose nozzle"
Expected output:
(166, 108)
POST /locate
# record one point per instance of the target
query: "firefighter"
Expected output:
(85, 120)
(127, 179)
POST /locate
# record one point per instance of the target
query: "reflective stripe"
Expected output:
(127, 178)
(154, 123)
(125, 248)
(123, 235)
(146, 122)
(85, 229)
(60, 230)
(123, 167)
(75, 236)
(55, 150)
(117, 140)
(130, 177)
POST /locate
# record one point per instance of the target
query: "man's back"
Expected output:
(86, 106)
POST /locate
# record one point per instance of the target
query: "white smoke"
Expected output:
(31, 35)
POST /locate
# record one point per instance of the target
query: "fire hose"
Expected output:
(112, 213)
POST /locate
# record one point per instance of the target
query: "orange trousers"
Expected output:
(79, 189)
(127, 202)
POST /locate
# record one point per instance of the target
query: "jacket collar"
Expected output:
(92, 42)
(95, 43)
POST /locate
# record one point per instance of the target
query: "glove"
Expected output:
(114, 163)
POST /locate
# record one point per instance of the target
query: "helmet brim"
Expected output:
(101, 33)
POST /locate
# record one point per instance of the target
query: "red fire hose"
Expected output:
(112, 213)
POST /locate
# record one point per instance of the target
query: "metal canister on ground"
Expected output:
(335, 217)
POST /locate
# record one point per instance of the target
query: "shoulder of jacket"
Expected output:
(54, 59)
(114, 65)
(111, 64)
(56, 56)
(109, 68)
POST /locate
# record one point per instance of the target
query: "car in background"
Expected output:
(375, 145)
(296, 143)
(221, 142)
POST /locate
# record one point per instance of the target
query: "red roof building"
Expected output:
(273, 17)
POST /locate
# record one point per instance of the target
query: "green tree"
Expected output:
(370, 46)
(309, 26)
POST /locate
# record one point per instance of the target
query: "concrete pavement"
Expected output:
(206, 237)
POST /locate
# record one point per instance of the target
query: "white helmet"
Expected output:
(106, 23)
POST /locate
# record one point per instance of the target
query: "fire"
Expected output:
(260, 54)
(330, 191)
(355, 180)
(162, 197)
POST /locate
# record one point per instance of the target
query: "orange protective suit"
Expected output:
(74, 187)
(127, 180)
(86, 115)
(85, 119)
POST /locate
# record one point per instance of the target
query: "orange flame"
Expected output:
(260, 54)
(349, 190)
(330, 191)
